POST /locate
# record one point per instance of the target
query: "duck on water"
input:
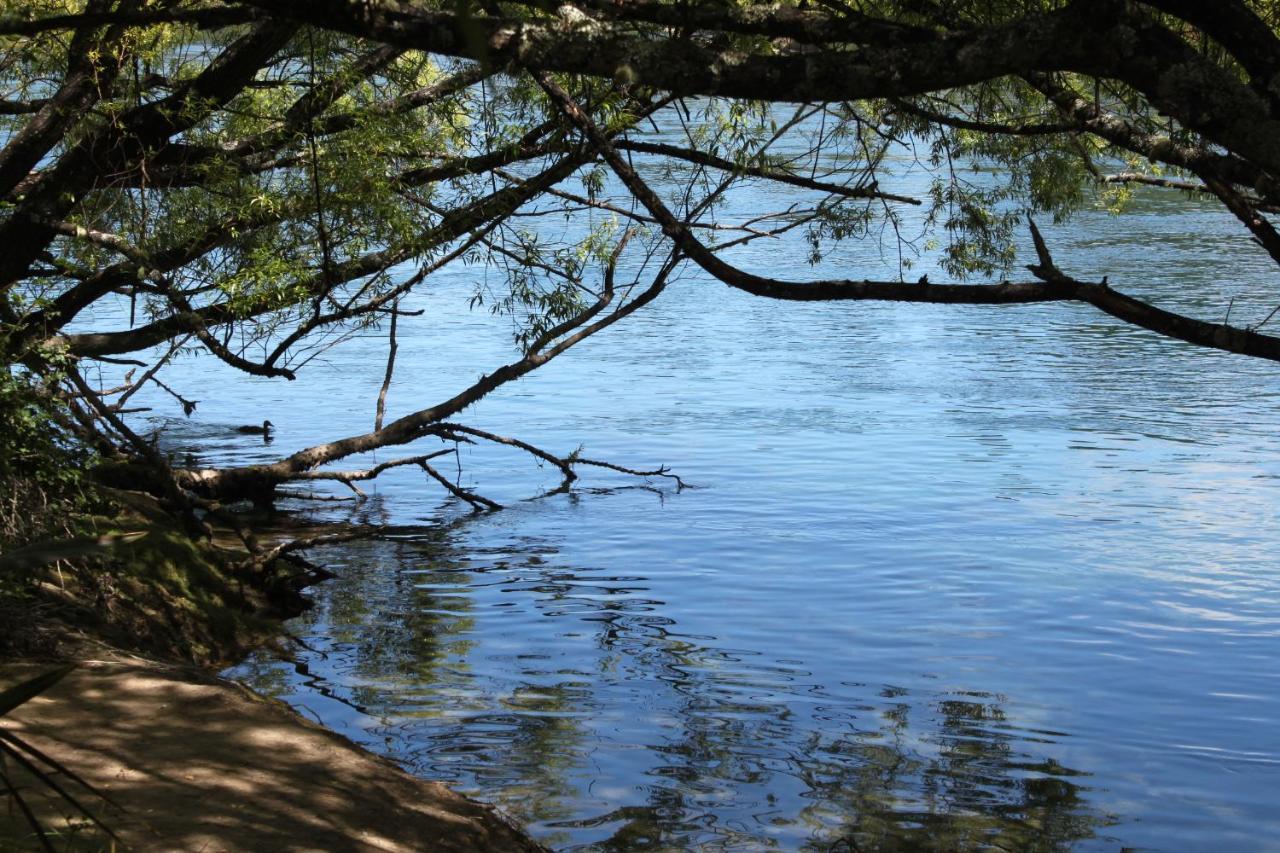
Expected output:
(264, 430)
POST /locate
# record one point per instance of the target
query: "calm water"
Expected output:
(951, 577)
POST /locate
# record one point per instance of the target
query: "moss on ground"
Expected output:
(164, 596)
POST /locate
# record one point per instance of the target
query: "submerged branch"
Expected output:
(662, 471)
(477, 501)
(259, 561)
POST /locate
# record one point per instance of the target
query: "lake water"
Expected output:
(950, 577)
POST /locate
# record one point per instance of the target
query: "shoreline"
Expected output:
(198, 762)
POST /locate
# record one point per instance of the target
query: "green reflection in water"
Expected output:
(720, 749)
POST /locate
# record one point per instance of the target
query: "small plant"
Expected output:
(42, 483)
(43, 767)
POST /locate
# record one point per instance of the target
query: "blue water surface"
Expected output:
(948, 577)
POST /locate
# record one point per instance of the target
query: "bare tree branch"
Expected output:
(391, 366)
(478, 502)
(1054, 286)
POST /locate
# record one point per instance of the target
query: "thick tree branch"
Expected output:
(885, 66)
(138, 131)
(260, 480)
(1055, 286)
(86, 82)
(1238, 28)
(207, 17)
(1156, 147)
(349, 478)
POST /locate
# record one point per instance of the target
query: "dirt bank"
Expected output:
(198, 763)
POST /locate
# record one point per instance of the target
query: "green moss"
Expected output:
(163, 595)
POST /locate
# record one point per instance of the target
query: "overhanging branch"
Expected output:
(1053, 285)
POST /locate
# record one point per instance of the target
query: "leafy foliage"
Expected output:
(260, 180)
(42, 464)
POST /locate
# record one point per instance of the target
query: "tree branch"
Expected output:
(1054, 286)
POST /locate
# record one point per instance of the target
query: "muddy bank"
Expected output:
(198, 763)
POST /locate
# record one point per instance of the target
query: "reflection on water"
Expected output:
(956, 577)
(646, 737)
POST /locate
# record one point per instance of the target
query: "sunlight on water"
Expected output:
(951, 577)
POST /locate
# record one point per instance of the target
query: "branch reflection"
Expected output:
(570, 699)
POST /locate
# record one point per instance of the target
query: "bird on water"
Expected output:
(265, 429)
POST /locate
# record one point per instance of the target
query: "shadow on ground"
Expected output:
(202, 764)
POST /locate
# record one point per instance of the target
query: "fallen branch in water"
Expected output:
(349, 478)
(259, 561)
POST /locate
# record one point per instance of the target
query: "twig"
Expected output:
(391, 366)
(662, 471)
(566, 469)
(1185, 186)
(349, 478)
(260, 561)
(173, 490)
(1266, 319)
(476, 501)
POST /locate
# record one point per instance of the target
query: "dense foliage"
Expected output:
(41, 465)
(259, 180)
